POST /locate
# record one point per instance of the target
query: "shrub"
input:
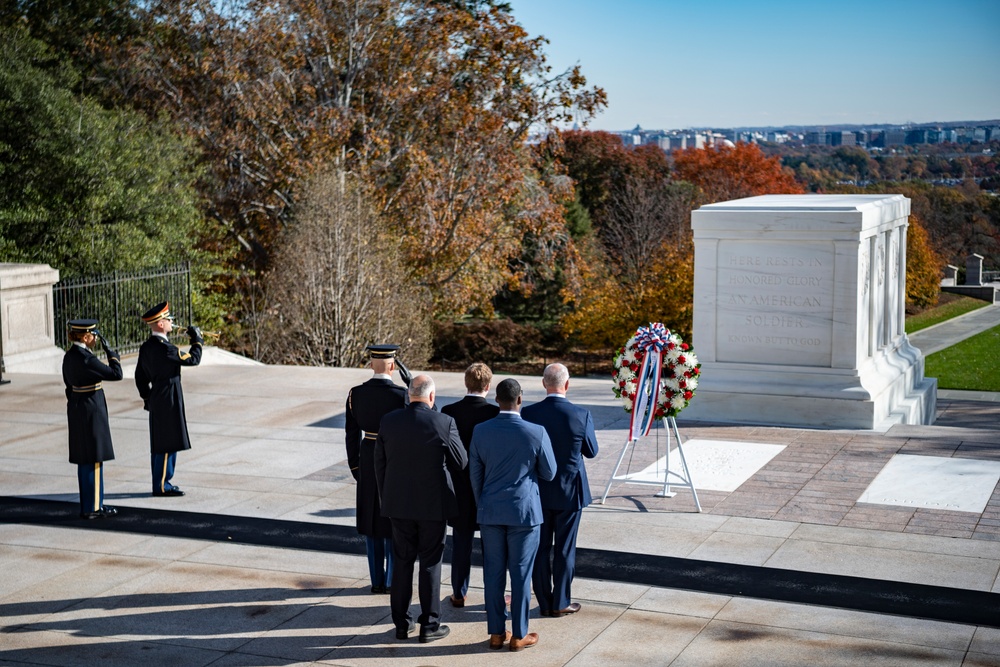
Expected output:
(487, 341)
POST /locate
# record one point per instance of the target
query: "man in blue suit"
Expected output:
(571, 429)
(507, 459)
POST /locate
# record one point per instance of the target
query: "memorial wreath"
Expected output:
(654, 357)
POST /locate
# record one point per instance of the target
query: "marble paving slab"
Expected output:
(716, 465)
(934, 482)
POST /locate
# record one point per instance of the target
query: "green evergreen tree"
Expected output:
(83, 188)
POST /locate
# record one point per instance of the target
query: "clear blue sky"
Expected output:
(727, 63)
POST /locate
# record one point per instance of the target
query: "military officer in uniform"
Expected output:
(158, 378)
(366, 405)
(87, 413)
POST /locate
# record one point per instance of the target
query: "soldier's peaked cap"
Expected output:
(382, 351)
(82, 325)
(156, 313)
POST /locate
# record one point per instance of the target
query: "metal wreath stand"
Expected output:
(670, 477)
(680, 478)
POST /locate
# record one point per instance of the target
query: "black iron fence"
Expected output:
(119, 299)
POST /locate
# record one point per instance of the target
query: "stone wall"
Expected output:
(27, 326)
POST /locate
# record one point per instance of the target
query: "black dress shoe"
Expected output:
(378, 590)
(405, 634)
(571, 609)
(108, 511)
(441, 632)
(176, 491)
(91, 515)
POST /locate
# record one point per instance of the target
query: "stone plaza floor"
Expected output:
(816, 547)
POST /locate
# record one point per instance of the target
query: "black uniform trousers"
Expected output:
(412, 539)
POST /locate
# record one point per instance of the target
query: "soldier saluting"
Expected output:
(366, 404)
(87, 413)
(158, 378)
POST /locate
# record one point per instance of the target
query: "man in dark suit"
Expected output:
(571, 429)
(87, 413)
(508, 460)
(366, 405)
(417, 454)
(158, 379)
(467, 413)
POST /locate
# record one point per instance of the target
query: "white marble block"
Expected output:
(798, 313)
(27, 327)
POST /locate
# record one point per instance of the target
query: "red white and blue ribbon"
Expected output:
(652, 340)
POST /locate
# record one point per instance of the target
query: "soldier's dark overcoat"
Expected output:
(158, 378)
(366, 405)
(86, 407)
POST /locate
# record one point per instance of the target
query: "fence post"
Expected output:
(114, 300)
(187, 266)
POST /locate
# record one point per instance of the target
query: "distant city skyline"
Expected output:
(728, 63)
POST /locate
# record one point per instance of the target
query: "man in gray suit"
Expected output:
(507, 458)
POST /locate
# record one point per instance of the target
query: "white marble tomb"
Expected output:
(798, 313)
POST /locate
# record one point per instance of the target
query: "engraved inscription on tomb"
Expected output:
(775, 302)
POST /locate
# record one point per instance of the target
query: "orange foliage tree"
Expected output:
(428, 102)
(733, 172)
(923, 267)
(639, 267)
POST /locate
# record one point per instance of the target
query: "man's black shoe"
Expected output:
(405, 634)
(176, 491)
(378, 590)
(108, 512)
(91, 515)
(441, 632)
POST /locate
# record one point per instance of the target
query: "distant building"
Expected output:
(894, 137)
(917, 136)
(842, 139)
(817, 139)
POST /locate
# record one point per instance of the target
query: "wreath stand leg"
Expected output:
(683, 478)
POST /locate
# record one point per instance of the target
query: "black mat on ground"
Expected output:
(856, 593)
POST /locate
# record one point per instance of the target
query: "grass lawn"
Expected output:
(973, 364)
(950, 305)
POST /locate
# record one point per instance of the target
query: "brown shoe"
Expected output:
(572, 608)
(517, 644)
(497, 641)
(456, 601)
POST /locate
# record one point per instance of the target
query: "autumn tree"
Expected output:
(636, 266)
(599, 163)
(607, 308)
(724, 173)
(337, 285)
(429, 102)
(923, 268)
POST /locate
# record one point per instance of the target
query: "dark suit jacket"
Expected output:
(571, 429)
(158, 379)
(417, 453)
(467, 413)
(509, 459)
